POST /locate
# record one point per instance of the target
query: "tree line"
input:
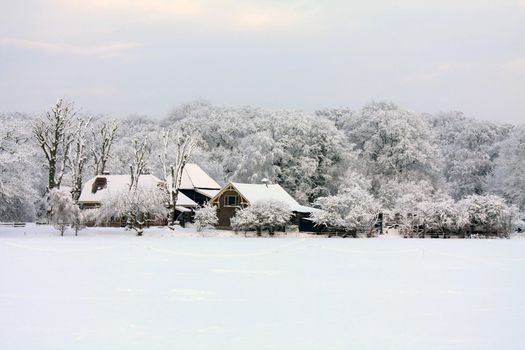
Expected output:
(386, 151)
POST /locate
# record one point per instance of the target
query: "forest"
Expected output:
(378, 158)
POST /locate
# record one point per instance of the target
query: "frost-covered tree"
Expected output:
(508, 178)
(468, 150)
(177, 149)
(141, 150)
(262, 215)
(490, 213)
(206, 216)
(139, 206)
(341, 116)
(21, 180)
(394, 145)
(302, 152)
(63, 211)
(77, 157)
(439, 215)
(352, 209)
(103, 137)
(244, 220)
(122, 151)
(53, 134)
(413, 205)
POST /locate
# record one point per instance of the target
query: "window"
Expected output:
(231, 201)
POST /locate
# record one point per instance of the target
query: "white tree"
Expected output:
(394, 145)
(489, 214)
(439, 215)
(177, 150)
(139, 206)
(267, 214)
(77, 157)
(141, 150)
(302, 152)
(508, 178)
(244, 220)
(403, 203)
(63, 211)
(102, 140)
(352, 209)
(468, 149)
(53, 135)
(21, 179)
(206, 216)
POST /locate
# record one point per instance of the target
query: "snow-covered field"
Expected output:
(108, 289)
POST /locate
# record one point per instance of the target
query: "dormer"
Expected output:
(98, 184)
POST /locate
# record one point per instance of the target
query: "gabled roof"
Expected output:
(118, 183)
(264, 192)
(194, 177)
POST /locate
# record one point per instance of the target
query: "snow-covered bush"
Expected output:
(353, 209)
(138, 206)
(206, 216)
(89, 216)
(262, 215)
(244, 220)
(488, 214)
(412, 207)
(440, 215)
(63, 211)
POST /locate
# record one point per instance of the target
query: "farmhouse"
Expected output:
(236, 195)
(100, 187)
(196, 184)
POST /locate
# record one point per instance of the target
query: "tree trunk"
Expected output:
(51, 174)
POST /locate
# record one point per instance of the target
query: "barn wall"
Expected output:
(225, 213)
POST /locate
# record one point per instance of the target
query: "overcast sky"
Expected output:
(146, 56)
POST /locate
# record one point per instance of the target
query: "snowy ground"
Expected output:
(108, 289)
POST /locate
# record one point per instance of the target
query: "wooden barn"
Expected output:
(236, 195)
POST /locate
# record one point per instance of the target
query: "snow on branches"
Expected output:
(63, 212)
(487, 214)
(206, 216)
(353, 209)
(54, 135)
(138, 206)
(262, 215)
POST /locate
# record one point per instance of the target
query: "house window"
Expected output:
(231, 201)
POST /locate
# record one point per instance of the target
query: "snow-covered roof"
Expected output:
(305, 209)
(185, 201)
(264, 192)
(194, 177)
(207, 193)
(118, 183)
(182, 209)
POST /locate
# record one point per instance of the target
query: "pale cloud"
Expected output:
(268, 18)
(437, 71)
(100, 51)
(515, 66)
(155, 9)
(226, 14)
(101, 91)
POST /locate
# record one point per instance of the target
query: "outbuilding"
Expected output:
(236, 195)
